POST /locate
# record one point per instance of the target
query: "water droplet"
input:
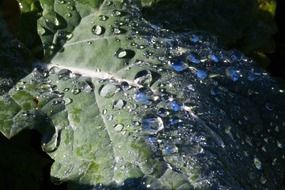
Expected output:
(109, 3)
(143, 77)
(119, 104)
(64, 74)
(75, 91)
(125, 86)
(169, 150)
(179, 66)
(232, 74)
(119, 127)
(98, 30)
(118, 31)
(152, 124)
(141, 97)
(269, 106)
(125, 53)
(67, 101)
(175, 106)
(192, 58)
(108, 90)
(117, 13)
(201, 74)
(214, 58)
(103, 18)
(68, 14)
(194, 38)
(257, 163)
(162, 112)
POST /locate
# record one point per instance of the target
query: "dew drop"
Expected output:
(201, 74)
(169, 150)
(125, 86)
(118, 31)
(98, 30)
(108, 90)
(119, 127)
(257, 163)
(179, 66)
(142, 98)
(192, 58)
(103, 18)
(143, 77)
(67, 101)
(119, 104)
(214, 58)
(75, 91)
(125, 53)
(175, 106)
(152, 124)
(232, 74)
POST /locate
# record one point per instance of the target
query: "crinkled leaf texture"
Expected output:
(123, 104)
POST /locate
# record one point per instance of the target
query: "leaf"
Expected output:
(124, 104)
(246, 25)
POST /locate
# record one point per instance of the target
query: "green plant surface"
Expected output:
(124, 104)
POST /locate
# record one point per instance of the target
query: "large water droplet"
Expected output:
(179, 66)
(108, 90)
(152, 124)
(98, 30)
(232, 74)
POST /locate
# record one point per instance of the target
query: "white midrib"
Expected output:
(89, 73)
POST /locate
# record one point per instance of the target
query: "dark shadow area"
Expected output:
(23, 164)
(277, 67)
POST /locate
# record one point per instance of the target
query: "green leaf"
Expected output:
(125, 104)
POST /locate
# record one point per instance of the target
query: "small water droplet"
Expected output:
(67, 101)
(193, 58)
(179, 66)
(169, 150)
(141, 97)
(98, 30)
(119, 127)
(108, 90)
(152, 124)
(232, 74)
(175, 106)
(269, 106)
(125, 53)
(76, 91)
(125, 86)
(103, 18)
(118, 31)
(64, 74)
(143, 77)
(119, 104)
(257, 163)
(214, 58)
(201, 74)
